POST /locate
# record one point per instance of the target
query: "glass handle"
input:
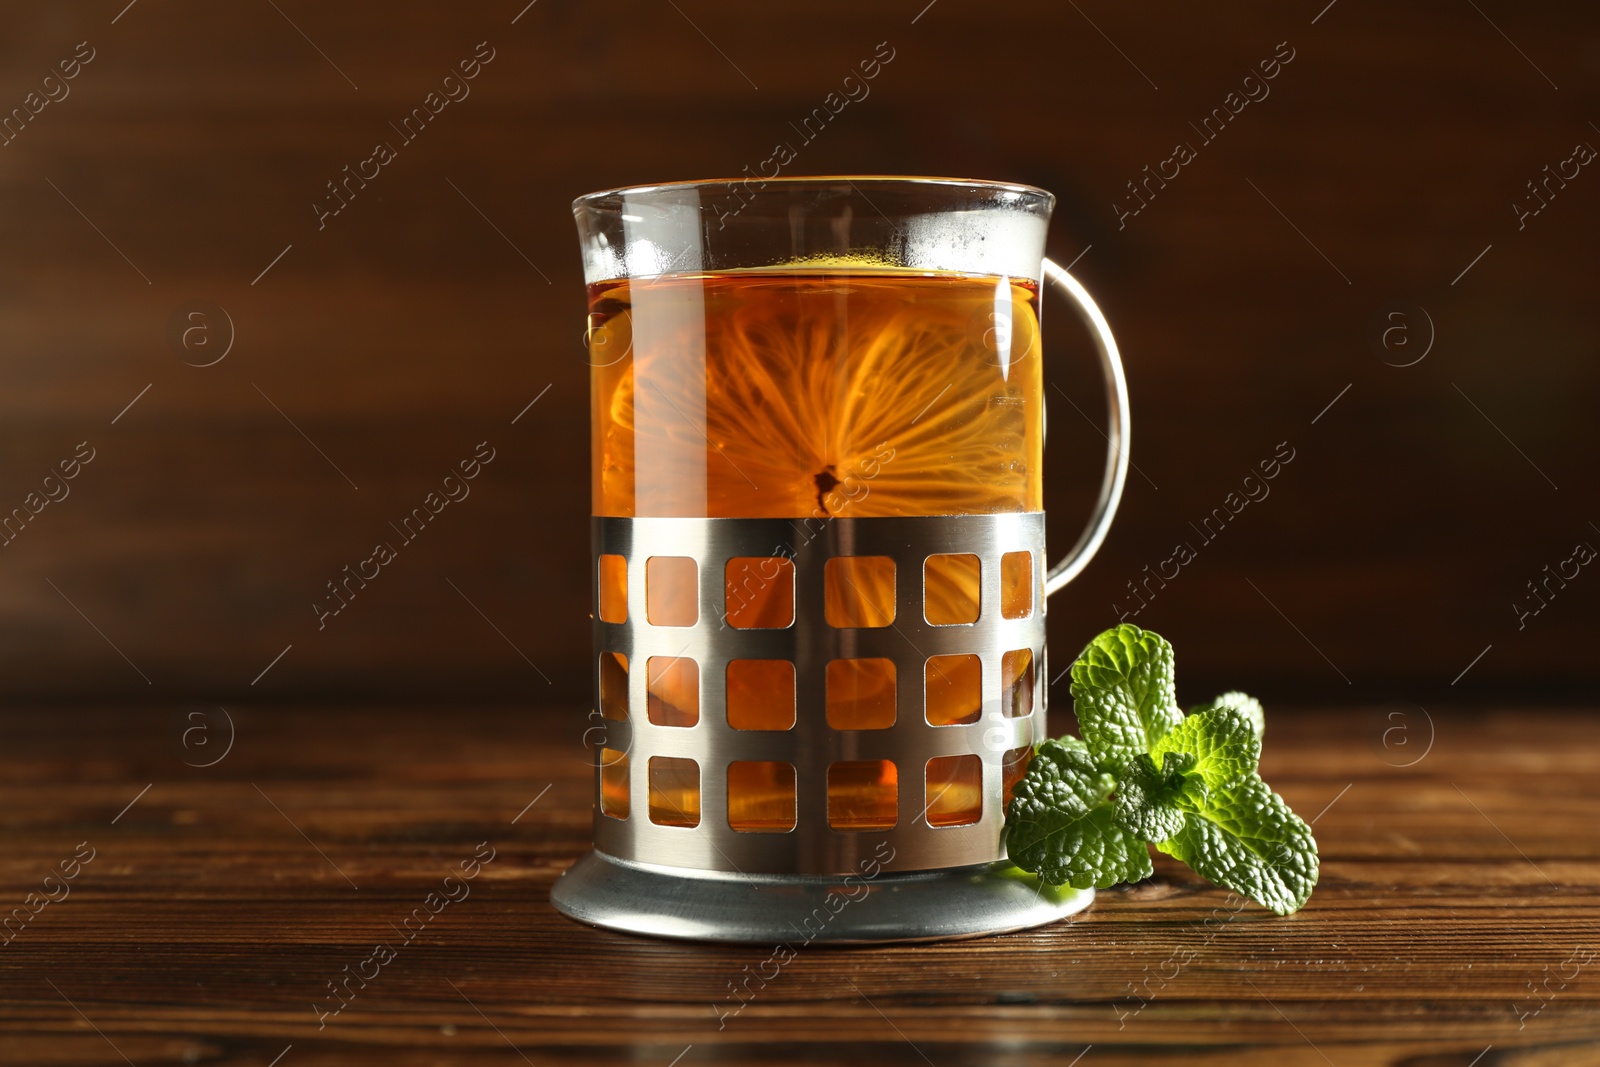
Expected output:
(1116, 438)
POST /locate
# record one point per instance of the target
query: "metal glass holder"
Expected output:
(656, 871)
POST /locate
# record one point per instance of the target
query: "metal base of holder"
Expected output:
(772, 909)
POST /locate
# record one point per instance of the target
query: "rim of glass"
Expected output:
(588, 199)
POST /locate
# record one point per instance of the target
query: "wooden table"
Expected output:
(1458, 919)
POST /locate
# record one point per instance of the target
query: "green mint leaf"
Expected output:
(1222, 742)
(1150, 800)
(1244, 704)
(1246, 839)
(1123, 693)
(1060, 824)
(1145, 772)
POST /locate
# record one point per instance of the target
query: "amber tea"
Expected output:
(813, 394)
(769, 394)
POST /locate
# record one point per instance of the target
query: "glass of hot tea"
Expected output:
(819, 569)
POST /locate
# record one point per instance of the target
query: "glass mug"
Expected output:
(817, 430)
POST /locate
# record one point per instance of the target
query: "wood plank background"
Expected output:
(1456, 911)
(190, 150)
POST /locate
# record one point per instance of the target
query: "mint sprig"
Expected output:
(1146, 773)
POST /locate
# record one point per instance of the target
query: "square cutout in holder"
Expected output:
(863, 795)
(954, 790)
(614, 685)
(858, 591)
(951, 589)
(673, 685)
(760, 694)
(758, 592)
(860, 694)
(613, 592)
(1013, 765)
(613, 783)
(1016, 683)
(952, 689)
(671, 591)
(761, 795)
(1016, 585)
(674, 791)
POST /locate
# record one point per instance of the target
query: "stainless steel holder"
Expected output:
(814, 880)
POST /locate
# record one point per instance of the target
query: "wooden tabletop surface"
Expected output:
(197, 914)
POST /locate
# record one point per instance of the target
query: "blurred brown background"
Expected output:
(184, 158)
